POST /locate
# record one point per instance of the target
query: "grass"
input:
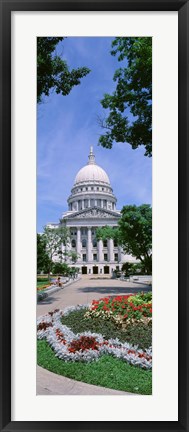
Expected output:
(136, 334)
(107, 371)
(42, 282)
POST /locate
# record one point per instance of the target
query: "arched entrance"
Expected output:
(106, 269)
(84, 269)
(95, 270)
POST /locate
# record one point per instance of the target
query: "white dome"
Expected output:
(91, 172)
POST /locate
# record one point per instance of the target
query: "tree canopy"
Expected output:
(43, 260)
(135, 233)
(130, 105)
(107, 232)
(54, 238)
(52, 71)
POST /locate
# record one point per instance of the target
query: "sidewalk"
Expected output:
(49, 383)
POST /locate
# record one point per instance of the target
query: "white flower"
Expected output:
(60, 337)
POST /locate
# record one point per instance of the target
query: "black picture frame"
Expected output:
(182, 6)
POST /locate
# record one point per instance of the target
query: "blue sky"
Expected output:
(67, 126)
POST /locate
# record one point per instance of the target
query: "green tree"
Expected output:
(54, 239)
(132, 268)
(135, 233)
(43, 260)
(130, 108)
(107, 232)
(74, 256)
(52, 71)
(60, 268)
(73, 271)
(64, 234)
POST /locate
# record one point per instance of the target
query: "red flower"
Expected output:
(83, 343)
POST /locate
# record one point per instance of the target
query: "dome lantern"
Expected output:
(91, 157)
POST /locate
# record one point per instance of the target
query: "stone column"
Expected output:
(89, 245)
(110, 250)
(78, 243)
(83, 204)
(120, 254)
(101, 203)
(88, 202)
(100, 253)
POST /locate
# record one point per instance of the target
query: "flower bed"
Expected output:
(41, 288)
(86, 346)
(123, 309)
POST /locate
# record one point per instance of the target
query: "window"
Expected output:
(115, 243)
(94, 243)
(105, 257)
(116, 257)
(94, 257)
(73, 243)
(97, 188)
(84, 257)
(84, 243)
(105, 243)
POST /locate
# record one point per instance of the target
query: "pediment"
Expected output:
(94, 213)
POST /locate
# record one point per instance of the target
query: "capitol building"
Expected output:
(92, 204)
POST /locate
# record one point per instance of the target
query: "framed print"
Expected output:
(44, 144)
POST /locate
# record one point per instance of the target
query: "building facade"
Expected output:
(91, 205)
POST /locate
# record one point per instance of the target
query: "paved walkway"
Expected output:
(88, 288)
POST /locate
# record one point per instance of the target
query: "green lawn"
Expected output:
(107, 371)
(42, 282)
